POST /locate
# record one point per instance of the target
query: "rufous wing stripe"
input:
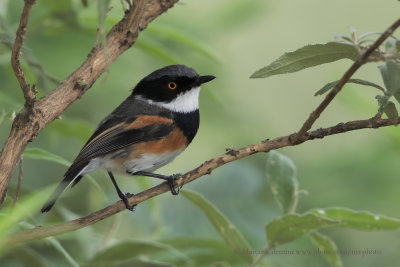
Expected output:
(140, 122)
(145, 120)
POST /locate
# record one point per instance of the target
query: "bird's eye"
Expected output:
(172, 85)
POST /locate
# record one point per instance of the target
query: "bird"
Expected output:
(152, 126)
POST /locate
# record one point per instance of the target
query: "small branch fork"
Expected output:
(28, 91)
(346, 76)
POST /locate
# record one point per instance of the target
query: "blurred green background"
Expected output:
(229, 39)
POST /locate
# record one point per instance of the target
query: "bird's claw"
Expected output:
(171, 183)
(126, 202)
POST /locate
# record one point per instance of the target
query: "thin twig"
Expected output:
(29, 93)
(19, 181)
(347, 75)
(100, 30)
(206, 168)
(262, 256)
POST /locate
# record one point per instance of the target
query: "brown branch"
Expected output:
(206, 168)
(346, 76)
(29, 123)
(29, 93)
(261, 257)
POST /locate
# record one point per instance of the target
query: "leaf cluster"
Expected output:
(347, 47)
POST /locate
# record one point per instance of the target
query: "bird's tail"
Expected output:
(73, 175)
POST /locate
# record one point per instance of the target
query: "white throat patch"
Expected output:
(184, 103)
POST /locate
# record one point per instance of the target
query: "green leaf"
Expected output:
(184, 39)
(3, 115)
(3, 7)
(27, 256)
(125, 4)
(9, 103)
(63, 11)
(6, 39)
(327, 248)
(361, 220)
(52, 241)
(27, 55)
(38, 153)
(382, 101)
(58, 7)
(137, 249)
(293, 226)
(237, 13)
(78, 129)
(391, 76)
(330, 85)
(203, 252)
(390, 110)
(24, 208)
(225, 228)
(281, 176)
(306, 57)
(102, 9)
(368, 34)
(344, 39)
(391, 46)
(155, 50)
(57, 245)
(397, 96)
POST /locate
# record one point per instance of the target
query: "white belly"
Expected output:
(150, 162)
(147, 162)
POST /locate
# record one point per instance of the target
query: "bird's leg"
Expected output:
(169, 178)
(124, 197)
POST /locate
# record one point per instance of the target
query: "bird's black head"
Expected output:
(171, 83)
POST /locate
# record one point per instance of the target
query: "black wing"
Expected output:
(107, 140)
(118, 138)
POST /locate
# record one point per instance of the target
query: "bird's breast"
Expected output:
(150, 155)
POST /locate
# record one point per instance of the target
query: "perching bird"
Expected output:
(148, 130)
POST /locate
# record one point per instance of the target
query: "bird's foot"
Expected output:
(124, 198)
(171, 183)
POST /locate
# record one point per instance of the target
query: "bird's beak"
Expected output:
(204, 79)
